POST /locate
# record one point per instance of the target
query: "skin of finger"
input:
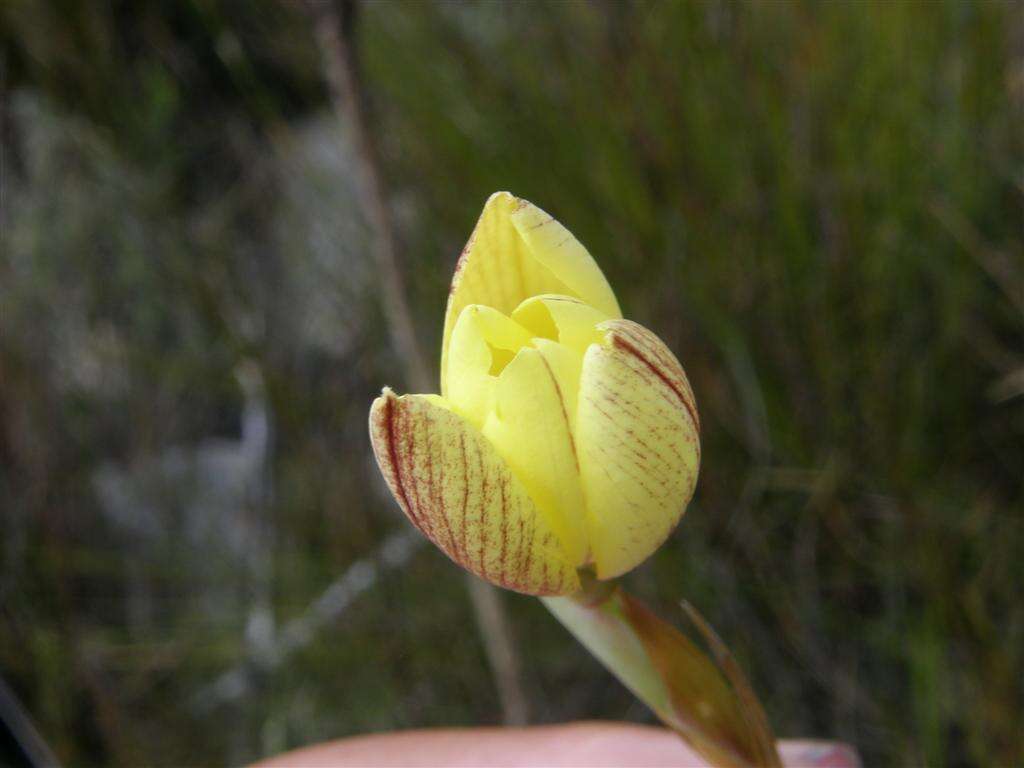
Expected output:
(601, 745)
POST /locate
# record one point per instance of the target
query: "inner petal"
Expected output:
(520, 387)
(531, 426)
(564, 319)
(483, 343)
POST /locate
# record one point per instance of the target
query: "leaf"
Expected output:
(750, 707)
(710, 706)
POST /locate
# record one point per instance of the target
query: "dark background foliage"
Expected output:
(820, 207)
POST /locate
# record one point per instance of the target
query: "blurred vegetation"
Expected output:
(819, 206)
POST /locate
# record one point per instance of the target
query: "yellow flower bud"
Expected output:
(564, 435)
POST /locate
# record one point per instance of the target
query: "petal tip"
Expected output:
(502, 196)
(386, 397)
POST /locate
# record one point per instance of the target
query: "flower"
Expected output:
(564, 436)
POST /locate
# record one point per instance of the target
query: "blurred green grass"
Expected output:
(820, 207)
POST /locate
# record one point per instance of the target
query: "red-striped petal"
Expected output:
(452, 484)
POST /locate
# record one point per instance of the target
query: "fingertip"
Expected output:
(818, 754)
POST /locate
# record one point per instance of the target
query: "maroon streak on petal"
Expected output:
(565, 413)
(647, 348)
(387, 436)
(455, 488)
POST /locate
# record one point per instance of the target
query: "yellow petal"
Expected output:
(564, 319)
(637, 431)
(517, 251)
(483, 341)
(454, 487)
(565, 365)
(531, 428)
(557, 248)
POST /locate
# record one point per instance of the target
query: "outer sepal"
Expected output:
(455, 488)
(639, 445)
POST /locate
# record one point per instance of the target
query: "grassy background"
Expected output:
(820, 207)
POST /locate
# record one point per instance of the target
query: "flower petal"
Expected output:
(483, 342)
(566, 320)
(453, 486)
(517, 251)
(638, 433)
(557, 248)
(531, 427)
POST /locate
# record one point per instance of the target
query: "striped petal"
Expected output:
(518, 251)
(637, 432)
(455, 487)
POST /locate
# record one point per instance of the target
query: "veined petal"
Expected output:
(637, 431)
(517, 251)
(532, 429)
(453, 486)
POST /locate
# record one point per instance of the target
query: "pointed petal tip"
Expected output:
(504, 203)
(377, 407)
